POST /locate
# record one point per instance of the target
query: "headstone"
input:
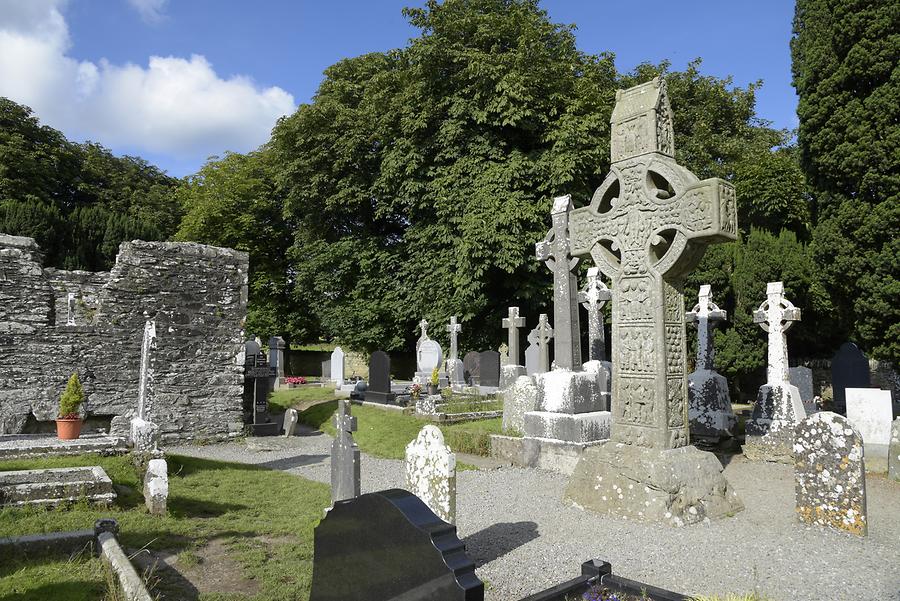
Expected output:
(709, 408)
(70, 317)
(802, 378)
(778, 408)
(544, 335)
(326, 370)
(518, 399)
(258, 376)
(428, 356)
(870, 412)
(554, 251)
(849, 369)
(337, 366)
(431, 472)
(593, 298)
(894, 451)
(156, 486)
(290, 422)
(472, 368)
(400, 550)
(532, 354)
(344, 456)
(830, 473)
(489, 369)
(379, 386)
(144, 432)
(276, 356)
(647, 226)
(455, 370)
(512, 322)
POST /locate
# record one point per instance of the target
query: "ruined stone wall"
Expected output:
(196, 294)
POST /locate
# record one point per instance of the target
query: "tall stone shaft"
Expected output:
(646, 227)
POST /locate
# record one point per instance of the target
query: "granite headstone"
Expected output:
(849, 369)
(489, 369)
(472, 368)
(379, 386)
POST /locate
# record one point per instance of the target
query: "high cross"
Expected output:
(544, 334)
(512, 325)
(776, 315)
(647, 226)
(454, 329)
(145, 374)
(706, 314)
(554, 251)
(592, 298)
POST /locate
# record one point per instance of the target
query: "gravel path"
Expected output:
(524, 538)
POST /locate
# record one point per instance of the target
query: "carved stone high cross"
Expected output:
(554, 251)
(647, 226)
(512, 325)
(592, 298)
(544, 335)
(454, 329)
(145, 373)
(776, 315)
(706, 314)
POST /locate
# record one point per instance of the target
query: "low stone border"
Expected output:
(541, 453)
(378, 405)
(111, 552)
(450, 418)
(31, 545)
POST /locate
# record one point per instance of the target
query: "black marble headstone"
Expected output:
(379, 388)
(490, 368)
(849, 369)
(471, 367)
(390, 545)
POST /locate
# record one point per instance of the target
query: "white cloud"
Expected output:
(151, 11)
(172, 106)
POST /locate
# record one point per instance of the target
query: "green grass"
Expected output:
(246, 507)
(459, 403)
(299, 398)
(385, 433)
(80, 578)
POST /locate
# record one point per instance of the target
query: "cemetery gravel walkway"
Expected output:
(524, 537)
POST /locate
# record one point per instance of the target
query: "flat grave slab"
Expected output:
(55, 486)
(24, 446)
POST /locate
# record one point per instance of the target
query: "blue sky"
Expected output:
(108, 70)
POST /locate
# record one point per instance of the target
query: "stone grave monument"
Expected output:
(802, 378)
(532, 353)
(778, 408)
(428, 356)
(870, 412)
(849, 369)
(156, 486)
(258, 375)
(513, 369)
(543, 339)
(379, 387)
(472, 368)
(338, 365)
(276, 359)
(518, 399)
(455, 371)
(646, 228)
(430, 469)
(894, 451)
(290, 422)
(489, 370)
(326, 371)
(709, 404)
(830, 473)
(593, 298)
(144, 433)
(344, 456)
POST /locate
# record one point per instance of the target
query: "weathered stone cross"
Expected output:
(454, 329)
(647, 226)
(344, 456)
(554, 251)
(592, 298)
(776, 315)
(512, 325)
(424, 326)
(145, 375)
(706, 314)
(544, 335)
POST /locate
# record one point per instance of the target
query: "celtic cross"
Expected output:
(706, 314)
(544, 335)
(454, 329)
(592, 298)
(776, 315)
(647, 226)
(512, 325)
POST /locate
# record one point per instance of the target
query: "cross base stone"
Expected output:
(770, 430)
(676, 487)
(710, 413)
(568, 427)
(509, 374)
(518, 399)
(570, 407)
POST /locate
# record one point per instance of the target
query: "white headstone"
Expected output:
(870, 412)
(337, 366)
(290, 422)
(431, 472)
(156, 486)
(428, 356)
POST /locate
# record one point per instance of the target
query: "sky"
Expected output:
(178, 81)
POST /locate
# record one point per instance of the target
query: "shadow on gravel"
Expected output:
(292, 462)
(497, 540)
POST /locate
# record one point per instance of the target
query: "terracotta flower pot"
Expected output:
(68, 429)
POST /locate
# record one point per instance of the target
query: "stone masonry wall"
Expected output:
(198, 296)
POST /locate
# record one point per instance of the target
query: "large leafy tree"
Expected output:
(846, 67)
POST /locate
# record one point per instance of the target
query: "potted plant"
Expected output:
(435, 380)
(68, 424)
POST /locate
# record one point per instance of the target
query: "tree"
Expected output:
(846, 70)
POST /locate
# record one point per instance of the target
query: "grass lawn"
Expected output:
(299, 398)
(385, 433)
(260, 520)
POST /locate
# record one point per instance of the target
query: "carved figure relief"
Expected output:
(634, 303)
(675, 403)
(729, 208)
(638, 405)
(696, 210)
(637, 353)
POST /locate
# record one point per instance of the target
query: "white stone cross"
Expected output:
(512, 325)
(592, 298)
(454, 328)
(544, 335)
(706, 314)
(776, 315)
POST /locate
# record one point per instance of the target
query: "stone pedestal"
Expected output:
(518, 399)
(676, 487)
(144, 435)
(156, 487)
(509, 374)
(570, 407)
(709, 409)
(770, 430)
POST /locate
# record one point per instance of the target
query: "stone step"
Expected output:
(26, 446)
(55, 486)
